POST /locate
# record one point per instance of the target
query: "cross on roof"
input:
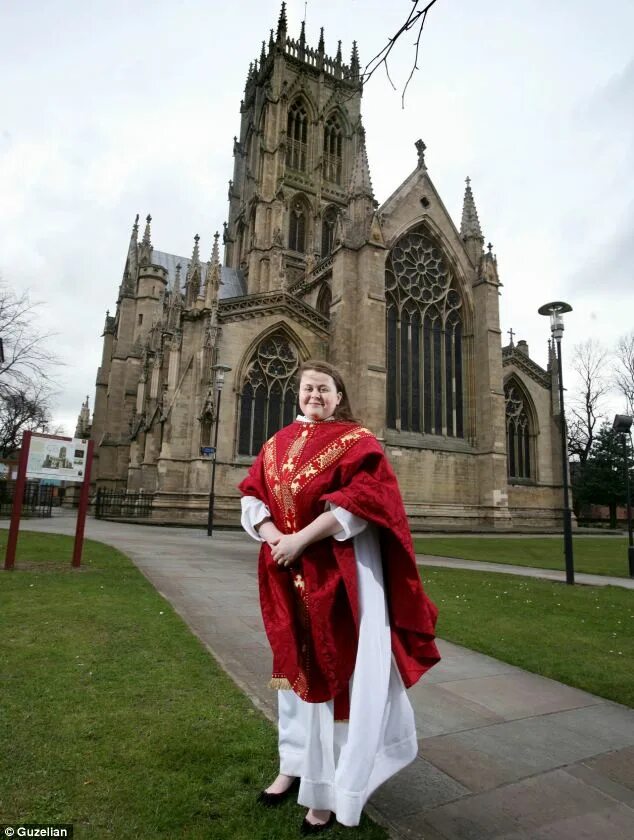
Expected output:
(511, 334)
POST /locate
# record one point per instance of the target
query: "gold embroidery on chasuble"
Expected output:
(286, 483)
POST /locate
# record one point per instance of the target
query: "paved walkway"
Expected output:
(504, 754)
(524, 571)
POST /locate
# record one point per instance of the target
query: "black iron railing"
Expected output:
(36, 502)
(117, 504)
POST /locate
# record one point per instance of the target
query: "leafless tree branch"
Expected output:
(592, 384)
(624, 373)
(415, 18)
(27, 359)
(23, 409)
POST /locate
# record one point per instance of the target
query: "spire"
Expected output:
(195, 253)
(302, 35)
(470, 224)
(263, 54)
(131, 263)
(321, 46)
(214, 275)
(192, 283)
(271, 41)
(282, 24)
(177, 281)
(338, 56)
(354, 61)
(360, 182)
(147, 240)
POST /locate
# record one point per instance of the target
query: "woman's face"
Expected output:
(318, 395)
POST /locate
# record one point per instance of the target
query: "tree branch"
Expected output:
(381, 58)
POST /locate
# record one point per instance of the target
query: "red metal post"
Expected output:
(83, 507)
(9, 560)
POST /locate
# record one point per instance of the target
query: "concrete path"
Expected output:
(524, 571)
(504, 754)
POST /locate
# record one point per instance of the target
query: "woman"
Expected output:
(343, 606)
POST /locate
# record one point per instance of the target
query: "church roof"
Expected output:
(233, 282)
(512, 356)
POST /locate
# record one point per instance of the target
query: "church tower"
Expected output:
(300, 132)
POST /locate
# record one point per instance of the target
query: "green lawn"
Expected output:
(596, 555)
(115, 717)
(579, 635)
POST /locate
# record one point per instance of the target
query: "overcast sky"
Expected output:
(109, 108)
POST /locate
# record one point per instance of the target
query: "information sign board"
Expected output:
(54, 458)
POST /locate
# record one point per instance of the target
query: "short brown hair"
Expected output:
(343, 410)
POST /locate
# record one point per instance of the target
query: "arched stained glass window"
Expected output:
(333, 151)
(423, 341)
(297, 227)
(297, 137)
(328, 224)
(269, 393)
(519, 434)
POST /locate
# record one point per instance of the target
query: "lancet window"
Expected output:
(425, 375)
(519, 435)
(333, 151)
(269, 392)
(297, 226)
(328, 225)
(297, 137)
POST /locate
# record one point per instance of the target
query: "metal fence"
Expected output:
(117, 504)
(37, 500)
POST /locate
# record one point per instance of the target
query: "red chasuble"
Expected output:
(311, 609)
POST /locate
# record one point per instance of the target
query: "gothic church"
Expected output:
(403, 302)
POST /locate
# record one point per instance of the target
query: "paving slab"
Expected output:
(617, 766)
(552, 805)
(504, 754)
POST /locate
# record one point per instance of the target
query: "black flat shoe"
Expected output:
(272, 800)
(310, 828)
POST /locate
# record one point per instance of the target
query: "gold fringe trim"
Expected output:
(279, 684)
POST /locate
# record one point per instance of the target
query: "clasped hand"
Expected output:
(286, 548)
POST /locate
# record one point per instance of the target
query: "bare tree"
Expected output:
(21, 410)
(416, 21)
(589, 361)
(624, 373)
(27, 365)
(26, 359)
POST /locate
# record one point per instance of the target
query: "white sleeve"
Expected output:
(253, 512)
(351, 525)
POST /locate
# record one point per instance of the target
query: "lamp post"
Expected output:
(220, 371)
(623, 424)
(555, 311)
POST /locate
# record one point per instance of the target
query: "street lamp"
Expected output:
(555, 311)
(220, 371)
(623, 424)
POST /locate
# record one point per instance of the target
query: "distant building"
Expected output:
(402, 300)
(83, 427)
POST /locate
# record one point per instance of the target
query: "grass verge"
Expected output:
(594, 555)
(581, 635)
(114, 716)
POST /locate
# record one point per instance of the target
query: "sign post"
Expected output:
(83, 509)
(51, 456)
(16, 510)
